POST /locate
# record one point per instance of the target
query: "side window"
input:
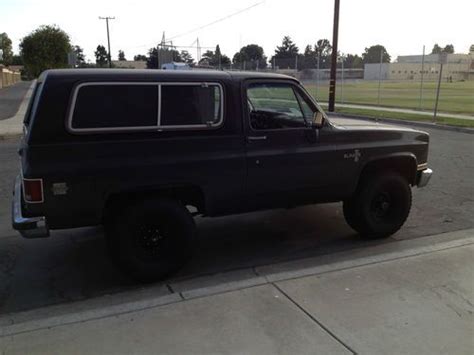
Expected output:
(190, 105)
(115, 106)
(102, 107)
(274, 106)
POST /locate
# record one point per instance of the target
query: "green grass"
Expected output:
(456, 97)
(406, 116)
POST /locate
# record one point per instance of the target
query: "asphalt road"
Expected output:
(11, 97)
(72, 264)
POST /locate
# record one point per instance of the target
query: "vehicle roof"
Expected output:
(157, 74)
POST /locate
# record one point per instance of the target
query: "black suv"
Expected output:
(138, 150)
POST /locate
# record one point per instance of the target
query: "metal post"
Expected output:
(107, 18)
(317, 75)
(296, 63)
(342, 79)
(437, 92)
(274, 66)
(380, 76)
(422, 74)
(332, 80)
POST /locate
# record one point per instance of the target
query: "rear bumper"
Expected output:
(424, 177)
(29, 227)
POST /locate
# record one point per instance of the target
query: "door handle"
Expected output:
(256, 138)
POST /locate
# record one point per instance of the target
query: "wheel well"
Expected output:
(405, 166)
(187, 195)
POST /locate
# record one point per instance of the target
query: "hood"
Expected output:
(361, 124)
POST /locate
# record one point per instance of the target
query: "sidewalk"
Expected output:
(13, 126)
(401, 110)
(413, 296)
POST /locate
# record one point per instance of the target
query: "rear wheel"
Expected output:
(380, 206)
(151, 239)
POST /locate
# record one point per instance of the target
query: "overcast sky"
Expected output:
(402, 26)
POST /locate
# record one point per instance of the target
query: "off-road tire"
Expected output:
(380, 205)
(151, 239)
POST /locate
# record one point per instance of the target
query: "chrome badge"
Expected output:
(356, 155)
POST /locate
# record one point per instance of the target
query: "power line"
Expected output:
(217, 21)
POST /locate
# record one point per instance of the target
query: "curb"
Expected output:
(146, 298)
(403, 122)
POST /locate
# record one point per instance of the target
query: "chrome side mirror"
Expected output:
(318, 119)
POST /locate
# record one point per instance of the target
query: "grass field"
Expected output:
(405, 116)
(456, 97)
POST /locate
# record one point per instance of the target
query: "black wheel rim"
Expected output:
(382, 206)
(150, 240)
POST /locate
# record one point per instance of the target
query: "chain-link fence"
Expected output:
(411, 83)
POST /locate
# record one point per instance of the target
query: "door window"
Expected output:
(276, 106)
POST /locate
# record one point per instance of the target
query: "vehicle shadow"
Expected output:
(73, 265)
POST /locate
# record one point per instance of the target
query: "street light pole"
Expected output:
(107, 18)
(332, 80)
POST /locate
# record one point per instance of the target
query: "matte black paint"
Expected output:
(232, 173)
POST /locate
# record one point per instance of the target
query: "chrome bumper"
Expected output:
(424, 177)
(29, 227)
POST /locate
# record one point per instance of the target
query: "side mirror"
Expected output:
(318, 120)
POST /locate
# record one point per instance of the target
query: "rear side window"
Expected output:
(106, 106)
(31, 104)
(113, 106)
(186, 105)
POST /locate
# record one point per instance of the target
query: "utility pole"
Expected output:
(332, 80)
(422, 74)
(107, 18)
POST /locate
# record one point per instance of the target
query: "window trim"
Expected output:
(155, 128)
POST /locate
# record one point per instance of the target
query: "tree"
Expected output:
(6, 47)
(140, 57)
(101, 56)
(17, 60)
(46, 47)
(215, 59)
(285, 55)
(449, 48)
(320, 51)
(353, 61)
(80, 57)
(252, 55)
(372, 54)
(436, 49)
(287, 49)
(152, 59)
(121, 55)
(186, 57)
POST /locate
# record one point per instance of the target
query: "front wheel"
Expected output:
(380, 206)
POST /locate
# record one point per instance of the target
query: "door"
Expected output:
(288, 160)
